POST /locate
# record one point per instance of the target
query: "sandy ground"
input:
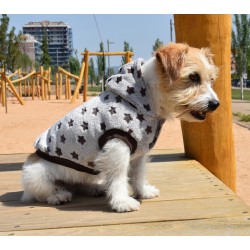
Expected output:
(22, 124)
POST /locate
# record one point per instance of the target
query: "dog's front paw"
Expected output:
(148, 192)
(127, 204)
(60, 197)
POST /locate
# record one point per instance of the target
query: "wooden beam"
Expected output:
(19, 98)
(78, 85)
(211, 142)
(108, 53)
(67, 73)
(86, 75)
(24, 78)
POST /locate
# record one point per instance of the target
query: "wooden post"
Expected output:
(3, 90)
(57, 86)
(14, 90)
(60, 86)
(49, 72)
(69, 88)
(66, 87)
(78, 85)
(20, 89)
(211, 142)
(38, 87)
(33, 87)
(46, 85)
(127, 57)
(42, 82)
(86, 74)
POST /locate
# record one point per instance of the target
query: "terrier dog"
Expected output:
(101, 146)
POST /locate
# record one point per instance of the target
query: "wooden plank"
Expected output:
(33, 217)
(109, 53)
(230, 226)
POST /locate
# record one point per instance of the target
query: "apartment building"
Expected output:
(60, 40)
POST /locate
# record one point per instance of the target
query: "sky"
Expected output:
(140, 30)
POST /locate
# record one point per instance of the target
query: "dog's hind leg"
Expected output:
(138, 180)
(114, 163)
(39, 183)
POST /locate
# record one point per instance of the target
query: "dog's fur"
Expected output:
(171, 75)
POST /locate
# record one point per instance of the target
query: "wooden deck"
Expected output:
(192, 202)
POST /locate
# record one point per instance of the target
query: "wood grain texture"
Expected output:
(192, 202)
(211, 142)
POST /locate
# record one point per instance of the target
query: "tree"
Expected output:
(14, 50)
(101, 63)
(4, 23)
(45, 58)
(126, 48)
(24, 62)
(92, 71)
(157, 45)
(74, 65)
(240, 45)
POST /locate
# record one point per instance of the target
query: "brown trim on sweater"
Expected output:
(118, 134)
(66, 163)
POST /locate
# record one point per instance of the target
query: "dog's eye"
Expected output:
(194, 78)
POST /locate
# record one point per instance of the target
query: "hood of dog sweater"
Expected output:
(125, 111)
(129, 83)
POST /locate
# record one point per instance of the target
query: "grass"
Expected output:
(236, 94)
(243, 117)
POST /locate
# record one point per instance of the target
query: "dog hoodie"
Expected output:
(124, 111)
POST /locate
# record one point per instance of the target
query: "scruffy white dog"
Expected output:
(101, 146)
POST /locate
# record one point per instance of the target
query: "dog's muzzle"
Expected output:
(201, 115)
(213, 105)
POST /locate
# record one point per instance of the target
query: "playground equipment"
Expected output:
(211, 143)
(85, 66)
(39, 83)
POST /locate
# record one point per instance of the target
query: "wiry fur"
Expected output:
(174, 95)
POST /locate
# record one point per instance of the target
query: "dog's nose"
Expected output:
(213, 105)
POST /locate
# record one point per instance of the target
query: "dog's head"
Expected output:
(186, 77)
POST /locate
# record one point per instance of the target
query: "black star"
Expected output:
(103, 126)
(118, 99)
(50, 139)
(84, 110)
(112, 110)
(74, 155)
(47, 150)
(127, 118)
(130, 131)
(143, 92)
(147, 107)
(81, 139)
(85, 126)
(139, 73)
(91, 164)
(151, 144)
(59, 125)
(132, 70)
(58, 151)
(148, 130)
(71, 123)
(118, 79)
(130, 90)
(63, 139)
(106, 97)
(129, 71)
(140, 117)
(109, 79)
(95, 111)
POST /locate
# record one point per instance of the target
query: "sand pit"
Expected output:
(20, 127)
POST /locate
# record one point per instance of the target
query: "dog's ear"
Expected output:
(171, 58)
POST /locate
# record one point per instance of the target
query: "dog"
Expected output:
(101, 147)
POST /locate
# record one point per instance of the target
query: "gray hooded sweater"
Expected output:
(125, 111)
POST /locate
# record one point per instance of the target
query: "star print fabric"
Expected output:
(125, 109)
